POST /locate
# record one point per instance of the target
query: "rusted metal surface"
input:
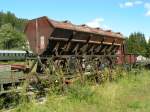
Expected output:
(124, 58)
(47, 36)
(18, 67)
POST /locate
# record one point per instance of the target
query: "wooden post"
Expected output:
(2, 88)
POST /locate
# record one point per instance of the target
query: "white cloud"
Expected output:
(126, 4)
(138, 2)
(148, 13)
(147, 7)
(130, 4)
(133, 3)
(121, 5)
(95, 23)
(105, 27)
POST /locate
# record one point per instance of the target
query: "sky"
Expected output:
(125, 16)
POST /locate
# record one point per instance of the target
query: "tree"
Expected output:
(10, 38)
(148, 48)
(10, 18)
(136, 44)
(20, 24)
(17, 23)
(1, 18)
(11, 31)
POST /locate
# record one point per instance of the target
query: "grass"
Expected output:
(128, 94)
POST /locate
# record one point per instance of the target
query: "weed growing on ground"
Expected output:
(127, 94)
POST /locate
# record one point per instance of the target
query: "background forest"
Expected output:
(12, 36)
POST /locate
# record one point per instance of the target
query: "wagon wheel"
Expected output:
(32, 77)
(110, 67)
(93, 69)
(80, 70)
(39, 81)
(99, 77)
(57, 74)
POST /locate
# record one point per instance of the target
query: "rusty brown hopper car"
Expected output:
(47, 37)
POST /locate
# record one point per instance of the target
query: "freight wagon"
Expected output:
(59, 44)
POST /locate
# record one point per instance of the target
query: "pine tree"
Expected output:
(136, 44)
(10, 38)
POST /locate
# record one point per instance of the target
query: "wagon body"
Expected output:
(125, 58)
(47, 37)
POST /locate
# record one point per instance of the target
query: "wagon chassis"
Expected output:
(54, 66)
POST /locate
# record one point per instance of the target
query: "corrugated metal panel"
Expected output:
(84, 28)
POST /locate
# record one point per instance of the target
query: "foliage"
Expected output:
(11, 31)
(148, 49)
(80, 92)
(129, 94)
(9, 100)
(10, 38)
(10, 18)
(136, 43)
